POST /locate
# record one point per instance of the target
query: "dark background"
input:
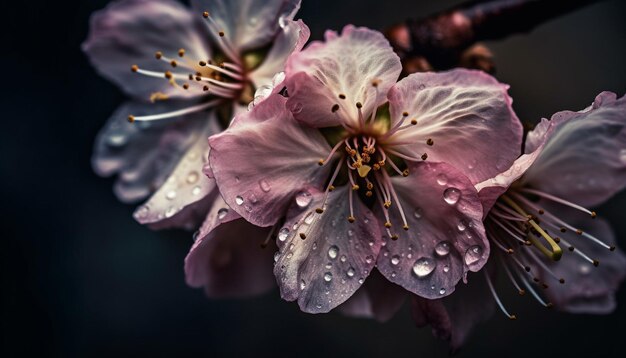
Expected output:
(81, 278)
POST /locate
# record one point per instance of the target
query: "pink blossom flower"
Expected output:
(188, 72)
(338, 170)
(207, 67)
(547, 242)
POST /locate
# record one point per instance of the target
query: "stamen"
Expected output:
(520, 290)
(395, 197)
(497, 222)
(386, 214)
(323, 162)
(535, 294)
(544, 266)
(330, 184)
(584, 256)
(177, 113)
(559, 200)
(228, 47)
(351, 218)
(269, 236)
(495, 296)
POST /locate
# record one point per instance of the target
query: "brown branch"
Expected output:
(443, 40)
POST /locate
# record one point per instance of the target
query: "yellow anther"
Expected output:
(158, 96)
(381, 163)
(424, 156)
(359, 105)
(131, 118)
(335, 108)
(369, 194)
(387, 224)
(593, 215)
(342, 96)
(168, 75)
(319, 210)
(387, 204)
(158, 55)
(351, 219)
(320, 162)
(221, 33)
(406, 227)
(376, 166)
(430, 141)
(363, 170)
(405, 173)
(355, 187)
(134, 68)
(370, 186)
(394, 237)
(405, 114)
(173, 63)
(331, 188)
(413, 121)
(205, 14)
(181, 52)
(302, 235)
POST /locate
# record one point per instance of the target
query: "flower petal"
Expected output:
(377, 298)
(130, 32)
(325, 268)
(173, 203)
(347, 65)
(248, 24)
(227, 259)
(452, 318)
(144, 153)
(587, 289)
(291, 38)
(264, 159)
(584, 159)
(446, 237)
(468, 116)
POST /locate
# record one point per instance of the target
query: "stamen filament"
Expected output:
(177, 113)
(496, 297)
(558, 200)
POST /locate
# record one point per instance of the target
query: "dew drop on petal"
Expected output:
(192, 177)
(343, 258)
(196, 190)
(418, 213)
(308, 219)
(423, 267)
(303, 199)
(442, 248)
(221, 213)
(328, 276)
(253, 199)
(142, 212)
(302, 285)
(473, 255)
(283, 233)
(446, 268)
(395, 259)
(361, 280)
(369, 259)
(170, 212)
(461, 225)
(622, 155)
(264, 185)
(276, 256)
(350, 272)
(451, 195)
(442, 179)
(442, 291)
(333, 251)
(117, 140)
(171, 195)
(238, 200)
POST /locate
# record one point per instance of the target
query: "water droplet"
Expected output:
(283, 233)
(308, 219)
(276, 256)
(369, 259)
(328, 276)
(421, 87)
(446, 268)
(238, 200)
(237, 179)
(264, 185)
(472, 255)
(350, 232)
(585, 269)
(303, 199)
(461, 225)
(328, 266)
(393, 274)
(171, 195)
(314, 245)
(333, 251)
(442, 248)
(442, 179)
(253, 199)
(622, 155)
(221, 213)
(350, 272)
(343, 258)
(423, 267)
(361, 280)
(452, 195)
(395, 259)
(192, 177)
(442, 291)
(296, 108)
(418, 213)
(196, 190)
(302, 285)
(170, 212)
(142, 212)
(117, 140)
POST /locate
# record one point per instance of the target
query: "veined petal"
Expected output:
(584, 158)
(377, 298)
(130, 32)
(227, 259)
(452, 318)
(445, 237)
(144, 153)
(248, 24)
(468, 116)
(587, 289)
(264, 159)
(291, 38)
(172, 204)
(345, 65)
(323, 259)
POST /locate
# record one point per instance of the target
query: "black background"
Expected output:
(81, 278)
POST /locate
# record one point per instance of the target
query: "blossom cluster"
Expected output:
(320, 169)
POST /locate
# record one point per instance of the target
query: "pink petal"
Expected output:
(584, 158)
(466, 113)
(173, 203)
(330, 264)
(248, 24)
(453, 318)
(130, 32)
(264, 159)
(291, 38)
(227, 258)
(587, 289)
(346, 64)
(144, 154)
(377, 298)
(446, 237)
